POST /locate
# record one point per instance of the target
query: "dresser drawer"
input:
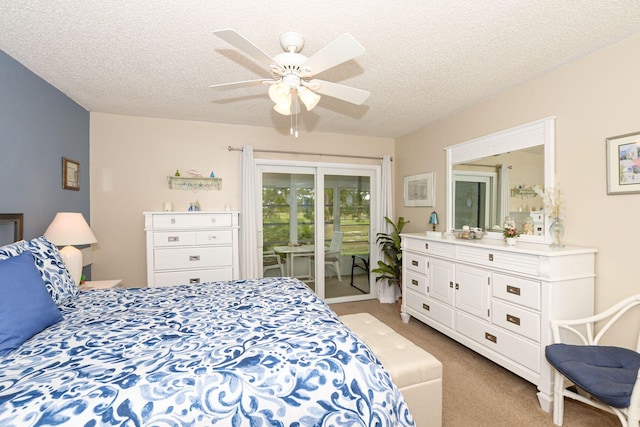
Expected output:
(429, 247)
(416, 282)
(174, 238)
(516, 319)
(502, 259)
(415, 262)
(190, 277)
(192, 258)
(516, 290)
(430, 308)
(214, 237)
(499, 340)
(192, 220)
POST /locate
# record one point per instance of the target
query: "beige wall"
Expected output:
(131, 158)
(593, 98)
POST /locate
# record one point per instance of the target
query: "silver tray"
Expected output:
(470, 235)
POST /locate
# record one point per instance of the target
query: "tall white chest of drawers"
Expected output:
(191, 247)
(498, 300)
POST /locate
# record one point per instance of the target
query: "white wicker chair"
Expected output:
(582, 365)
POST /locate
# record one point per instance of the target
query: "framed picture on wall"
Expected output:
(623, 164)
(70, 174)
(418, 189)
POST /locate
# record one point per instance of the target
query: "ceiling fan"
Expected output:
(292, 73)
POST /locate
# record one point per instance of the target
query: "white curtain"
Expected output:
(249, 261)
(386, 294)
(504, 194)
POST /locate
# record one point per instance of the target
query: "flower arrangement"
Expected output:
(510, 232)
(551, 199)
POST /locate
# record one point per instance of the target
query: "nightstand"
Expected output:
(99, 284)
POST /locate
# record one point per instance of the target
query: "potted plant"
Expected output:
(511, 235)
(389, 243)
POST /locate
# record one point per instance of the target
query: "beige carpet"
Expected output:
(477, 392)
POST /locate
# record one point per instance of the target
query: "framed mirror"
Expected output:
(492, 177)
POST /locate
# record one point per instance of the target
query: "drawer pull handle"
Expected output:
(513, 290)
(513, 319)
(173, 220)
(173, 238)
(426, 306)
(457, 286)
(491, 338)
(426, 246)
(414, 262)
(212, 237)
(414, 282)
(194, 258)
(490, 257)
(196, 280)
(451, 285)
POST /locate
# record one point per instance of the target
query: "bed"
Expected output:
(263, 352)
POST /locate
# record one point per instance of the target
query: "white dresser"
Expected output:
(191, 247)
(498, 300)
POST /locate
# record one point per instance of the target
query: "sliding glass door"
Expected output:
(325, 241)
(347, 232)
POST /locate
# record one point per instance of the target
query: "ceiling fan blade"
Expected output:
(245, 83)
(335, 90)
(340, 50)
(239, 41)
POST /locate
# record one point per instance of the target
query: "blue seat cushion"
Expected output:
(607, 373)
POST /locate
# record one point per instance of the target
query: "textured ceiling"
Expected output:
(423, 60)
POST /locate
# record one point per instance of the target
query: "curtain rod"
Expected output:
(230, 148)
(483, 166)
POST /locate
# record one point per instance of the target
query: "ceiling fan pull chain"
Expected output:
(297, 109)
(291, 124)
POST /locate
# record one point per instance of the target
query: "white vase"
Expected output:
(511, 241)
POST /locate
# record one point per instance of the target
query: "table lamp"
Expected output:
(433, 219)
(68, 229)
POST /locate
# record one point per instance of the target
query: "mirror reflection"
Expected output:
(491, 179)
(490, 190)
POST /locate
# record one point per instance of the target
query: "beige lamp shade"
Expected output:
(68, 229)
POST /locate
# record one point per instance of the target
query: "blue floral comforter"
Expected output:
(266, 352)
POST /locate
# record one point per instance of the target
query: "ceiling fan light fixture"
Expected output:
(280, 93)
(283, 108)
(308, 98)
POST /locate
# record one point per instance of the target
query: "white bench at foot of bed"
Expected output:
(414, 371)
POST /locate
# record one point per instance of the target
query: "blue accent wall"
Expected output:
(39, 125)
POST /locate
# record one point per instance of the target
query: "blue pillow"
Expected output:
(57, 279)
(26, 307)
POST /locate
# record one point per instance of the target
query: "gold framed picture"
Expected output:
(70, 174)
